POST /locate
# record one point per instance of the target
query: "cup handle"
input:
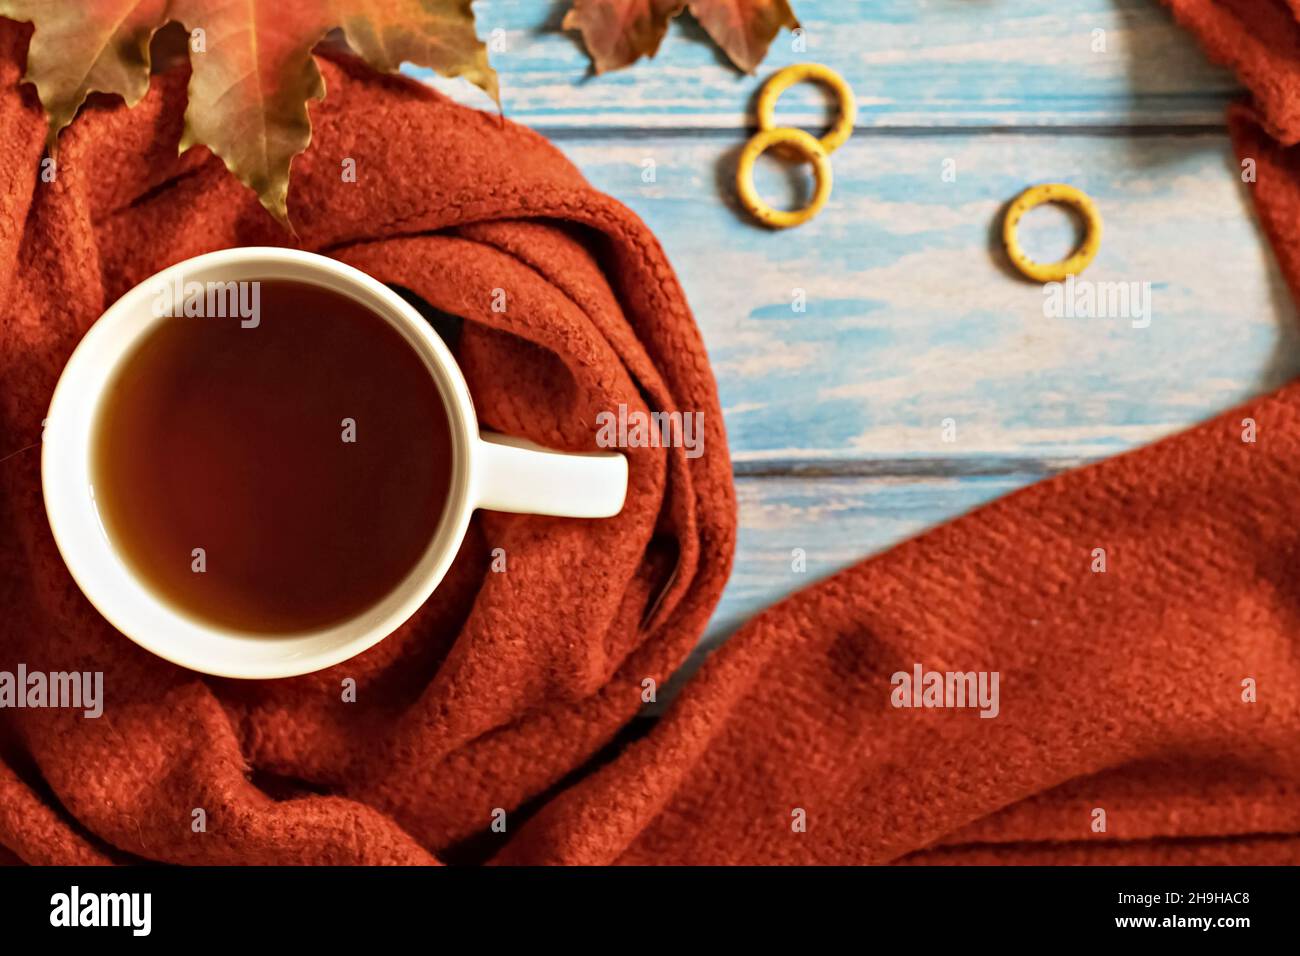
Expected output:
(520, 476)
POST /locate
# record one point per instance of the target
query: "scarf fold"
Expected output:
(1120, 691)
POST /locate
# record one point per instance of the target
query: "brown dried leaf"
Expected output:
(250, 79)
(744, 28)
(619, 32)
(435, 33)
(97, 46)
(252, 70)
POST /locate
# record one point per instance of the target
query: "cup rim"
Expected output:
(103, 574)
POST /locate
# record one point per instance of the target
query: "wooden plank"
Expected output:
(912, 319)
(942, 63)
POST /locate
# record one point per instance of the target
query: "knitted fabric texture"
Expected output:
(520, 691)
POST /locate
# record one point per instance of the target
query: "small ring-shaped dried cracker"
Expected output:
(782, 80)
(1078, 260)
(806, 146)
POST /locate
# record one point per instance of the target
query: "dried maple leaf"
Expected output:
(252, 70)
(92, 46)
(744, 28)
(619, 32)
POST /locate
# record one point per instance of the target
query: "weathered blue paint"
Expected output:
(836, 413)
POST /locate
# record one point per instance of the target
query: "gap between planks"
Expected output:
(1111, 131)
(975, 466)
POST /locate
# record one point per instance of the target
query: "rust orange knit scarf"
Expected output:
(514, 691)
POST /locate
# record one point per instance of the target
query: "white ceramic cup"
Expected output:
(488, 471)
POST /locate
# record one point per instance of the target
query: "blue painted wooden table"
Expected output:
(835, 414)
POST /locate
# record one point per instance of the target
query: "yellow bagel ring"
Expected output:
(1078, 260)
(782, 80)
(805, 145)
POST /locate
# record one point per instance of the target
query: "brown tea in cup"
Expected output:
(274, 473)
